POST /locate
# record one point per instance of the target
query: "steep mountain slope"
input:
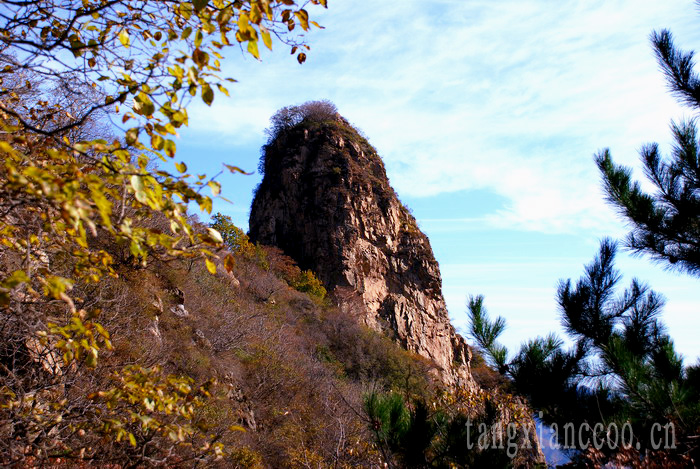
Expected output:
(326, 201)
(250, 366)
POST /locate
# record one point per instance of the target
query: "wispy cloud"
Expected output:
(513, 96)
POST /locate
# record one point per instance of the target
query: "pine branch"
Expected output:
(678, 68)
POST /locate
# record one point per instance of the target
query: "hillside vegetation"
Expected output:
(132, 335)
(236, 369)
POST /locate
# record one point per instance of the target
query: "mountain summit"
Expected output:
(325, 200)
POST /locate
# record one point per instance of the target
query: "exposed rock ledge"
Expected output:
(326, 201)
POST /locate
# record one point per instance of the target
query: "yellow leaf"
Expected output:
(6, 148)
(124, 38)
(207, 94)
(215, 187)
(179, 117)
(157, 142)
(139, 189)
(236, 169)
(253, 48)
(143, 104)
(215, 235)
(56, 286)
(267, 39)
(200, 57)
(243, 24)
(17, 277)
(222, 89)
(255, 13)
(170, 149)
(211, 267)
(205, 204)
(303, 18)
(132, 136)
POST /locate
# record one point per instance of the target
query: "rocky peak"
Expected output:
(325, 200)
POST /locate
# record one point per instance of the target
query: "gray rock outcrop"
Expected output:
(326, 201)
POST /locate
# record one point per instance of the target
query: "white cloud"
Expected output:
(512, 96)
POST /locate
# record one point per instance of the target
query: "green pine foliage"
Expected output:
(233, 237)
(414, 434)
(237, 241)
(621, 368)
(666, 223)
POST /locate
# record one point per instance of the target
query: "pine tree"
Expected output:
(621, 368)
(666, 224)
(438, 435)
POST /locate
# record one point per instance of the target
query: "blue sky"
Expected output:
(487, 115)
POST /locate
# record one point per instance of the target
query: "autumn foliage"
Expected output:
(75, 196)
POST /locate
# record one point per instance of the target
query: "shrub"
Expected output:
(418, 434)
(304, 281)
(370, 357)
(290, 116)
(244, 457)
(237, 241)
(307, 282)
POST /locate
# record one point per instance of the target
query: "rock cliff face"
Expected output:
(326, 201)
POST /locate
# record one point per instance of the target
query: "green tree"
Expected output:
(447, 435)
(71, 191)
(232, 236)
(666, 223)
(621, 368)
(307, 282)
(238, 243)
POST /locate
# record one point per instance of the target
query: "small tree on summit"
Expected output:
(666, 224)
(290, 116)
